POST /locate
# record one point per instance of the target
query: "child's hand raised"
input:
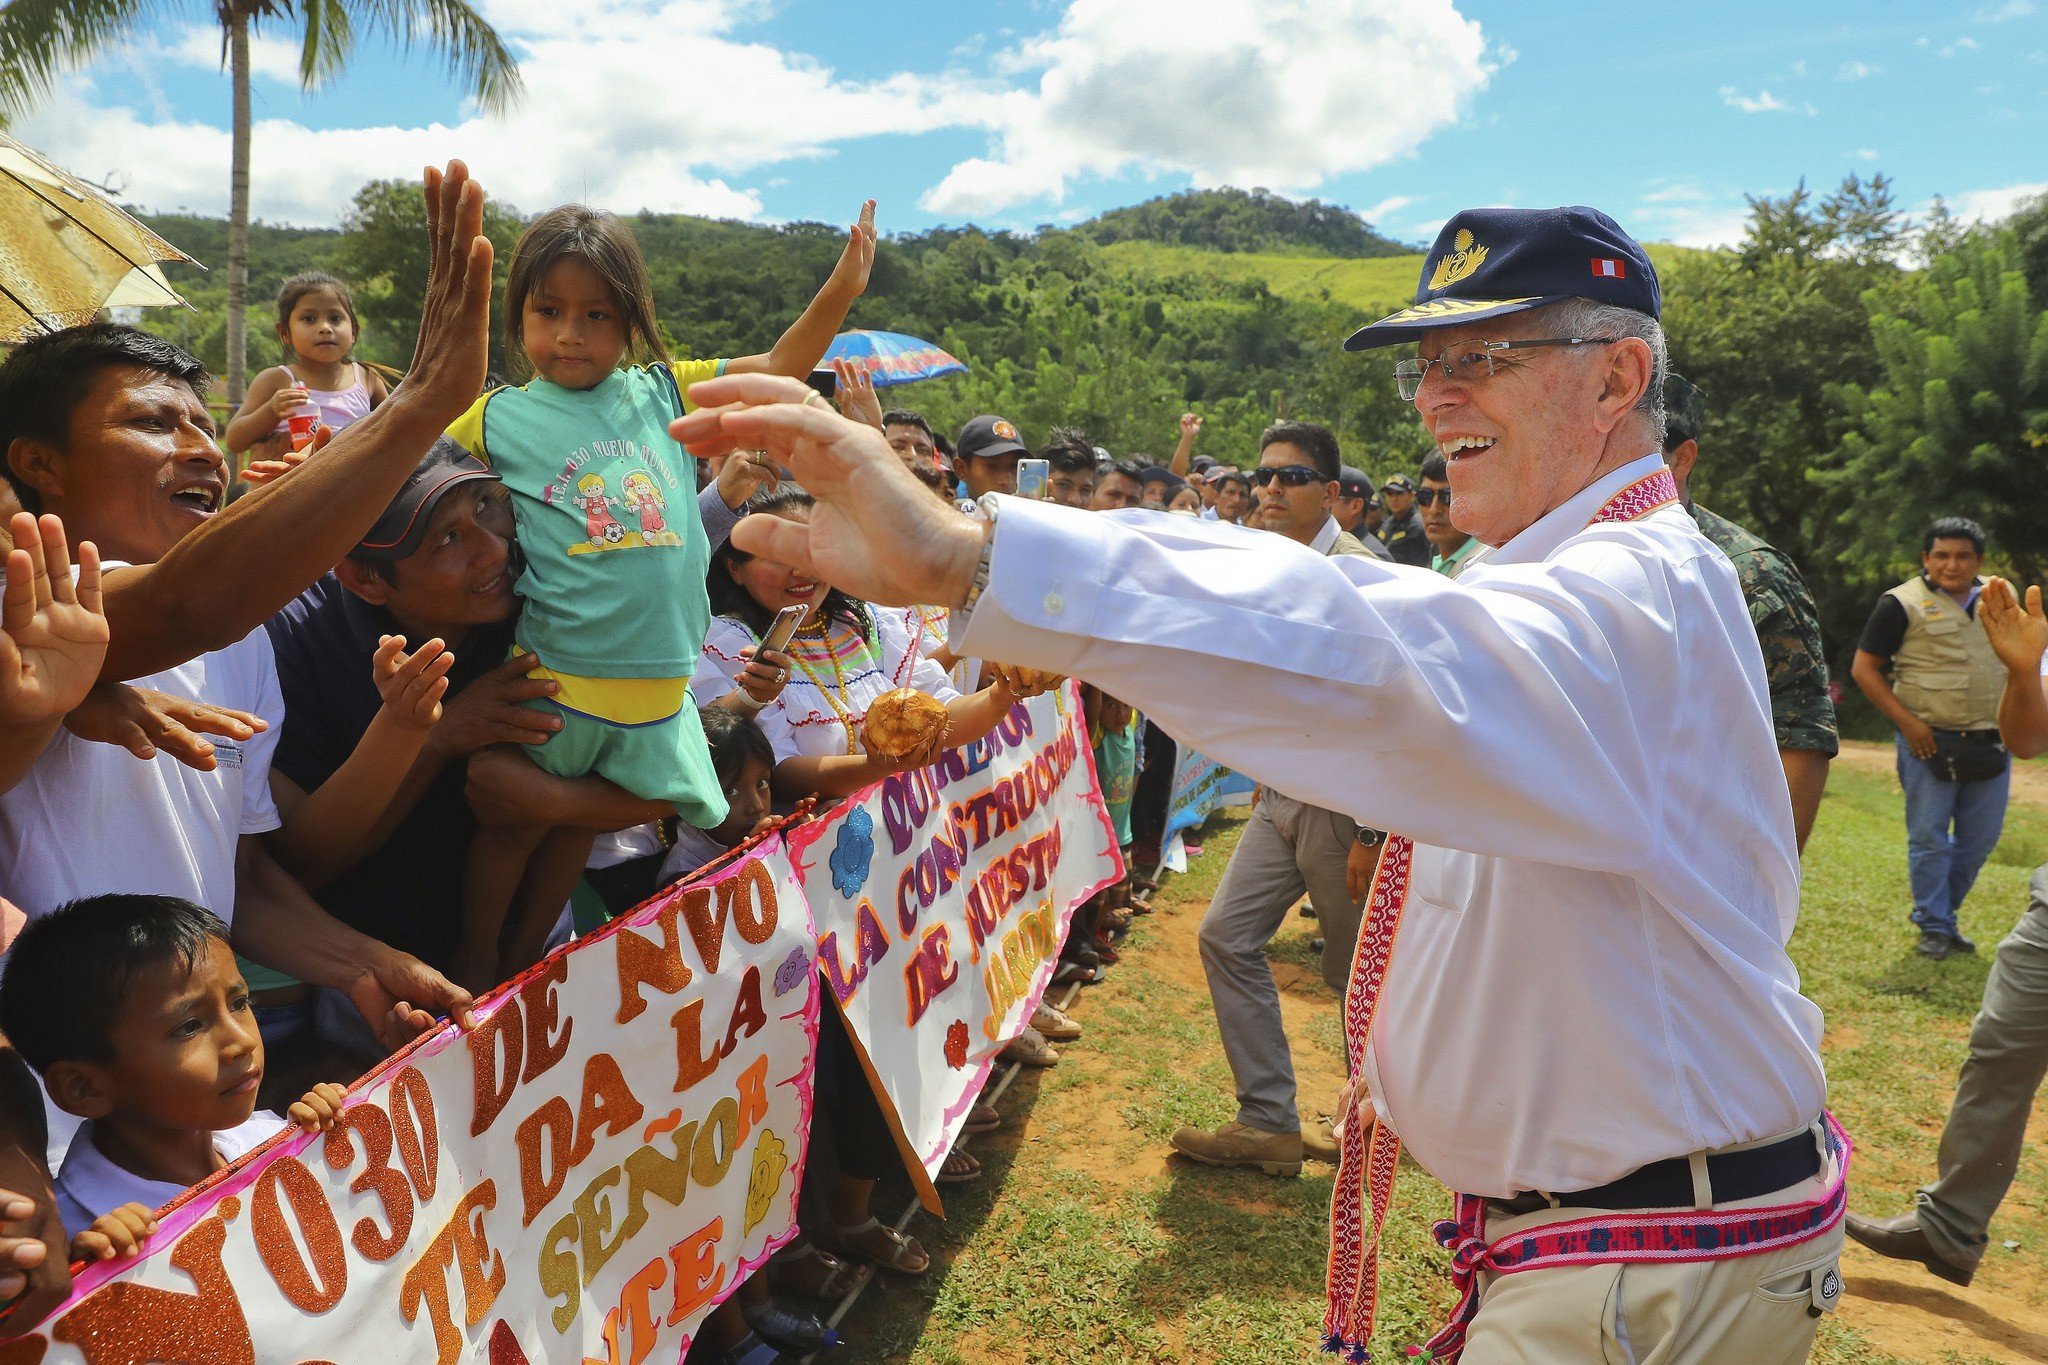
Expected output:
(320, 1110)
(412, 685)
(114, 1235)
(850, 277)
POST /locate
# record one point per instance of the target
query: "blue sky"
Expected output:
(1012, 113)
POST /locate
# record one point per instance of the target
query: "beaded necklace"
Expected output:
(835, 695)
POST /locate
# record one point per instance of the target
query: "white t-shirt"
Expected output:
(92, 818)
(803, 721)
(89, 1185)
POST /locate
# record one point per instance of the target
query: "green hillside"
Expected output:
(1373, 285)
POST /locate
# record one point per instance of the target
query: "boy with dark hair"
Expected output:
(135, 1014)
(1317, 443)
(911, 437)
(1070, 473)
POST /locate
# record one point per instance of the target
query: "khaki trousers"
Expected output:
(1749, 1310)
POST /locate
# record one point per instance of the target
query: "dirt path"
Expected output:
(2029, 780)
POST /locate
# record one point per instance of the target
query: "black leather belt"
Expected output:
(1667, 1184)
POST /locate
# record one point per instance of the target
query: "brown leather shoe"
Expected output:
(1239, 1144)
(1903, 1239)
(1319, 1141)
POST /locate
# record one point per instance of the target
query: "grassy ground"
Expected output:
(1084, 1242)
(1381, 283)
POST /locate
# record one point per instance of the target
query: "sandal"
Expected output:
(787, 1328)
(805, 1268)
(883, 1248)
(1116, 920)
(1072, 973)
(1029, 1048)
(959, 1168)
(982, 1118)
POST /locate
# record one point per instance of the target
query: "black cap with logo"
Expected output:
(398, 532)
(1487, 263)
(988, 436)
(1353, 483)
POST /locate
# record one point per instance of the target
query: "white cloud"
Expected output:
(1379, 213)
(270, 57)
(2011, 9)
(1856, 71)
(1866, 153)
(1762, 102)
(1688, 213)
(1959, 45)
(1990, 205)
(655, 104)
(1278, 93)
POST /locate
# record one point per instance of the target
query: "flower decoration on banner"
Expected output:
(854, 853)
(771, 1161)
(792, 972)
(956, 1044)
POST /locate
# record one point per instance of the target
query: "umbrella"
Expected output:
(67, 251)
(892, 357)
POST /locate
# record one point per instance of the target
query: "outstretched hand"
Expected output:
(876, 532)
(857, 261)
(450, 359)
(146, 723)
(53, 634)
(2019, 635)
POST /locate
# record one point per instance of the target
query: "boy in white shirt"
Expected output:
(133, 1011)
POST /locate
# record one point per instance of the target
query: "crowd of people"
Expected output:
(294, 763)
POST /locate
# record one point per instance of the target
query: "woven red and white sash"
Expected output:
(1365, 1170)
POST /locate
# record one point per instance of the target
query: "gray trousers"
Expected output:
(1980, 1147)
(1287, 849)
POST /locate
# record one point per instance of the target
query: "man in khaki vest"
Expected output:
(1943, 695)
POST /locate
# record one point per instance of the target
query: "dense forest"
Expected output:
(1865, 372)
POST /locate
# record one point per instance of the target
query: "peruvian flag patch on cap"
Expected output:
(1608, 268)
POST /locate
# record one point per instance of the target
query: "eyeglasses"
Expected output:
(1290, 476)
(1425, 496)
(1472, 362)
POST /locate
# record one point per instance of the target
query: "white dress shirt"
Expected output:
(1591, 970)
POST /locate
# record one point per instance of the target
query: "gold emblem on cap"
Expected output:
(1465, 257)
(1004, 430)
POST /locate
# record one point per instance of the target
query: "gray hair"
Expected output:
(1610, 322)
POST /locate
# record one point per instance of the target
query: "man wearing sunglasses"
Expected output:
(1587, 1022)
(1294, 486)
(1451, 548)
(1289, 849)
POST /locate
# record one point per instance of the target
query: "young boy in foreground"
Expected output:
(132, 1010)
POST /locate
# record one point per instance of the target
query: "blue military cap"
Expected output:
(1487, 263)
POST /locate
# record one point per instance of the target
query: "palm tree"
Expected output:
(42, 39)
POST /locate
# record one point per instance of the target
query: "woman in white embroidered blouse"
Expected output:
(844, 655)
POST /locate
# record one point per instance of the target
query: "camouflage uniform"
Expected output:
(1788, 628)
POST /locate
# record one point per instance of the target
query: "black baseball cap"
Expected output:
(1352, 483)
(1488, 263)
(1400, 483)
(1685, 410)
(988, 436)
(399, 531)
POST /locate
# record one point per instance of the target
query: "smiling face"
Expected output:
(1524, 440)
(775, 586)
(321, 328)
(187, 1055)
(572, 326)
(461, 574)
(1952, 564)
(139, 468)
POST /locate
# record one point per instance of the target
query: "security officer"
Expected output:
(1787, 622)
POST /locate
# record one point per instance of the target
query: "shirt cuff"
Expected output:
(1044, 587)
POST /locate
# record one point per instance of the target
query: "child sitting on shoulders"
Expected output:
(132, 1010)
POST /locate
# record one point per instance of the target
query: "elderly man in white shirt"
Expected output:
(1591, 1028)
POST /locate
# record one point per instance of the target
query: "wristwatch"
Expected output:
(990, 507)
(1368, 837)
